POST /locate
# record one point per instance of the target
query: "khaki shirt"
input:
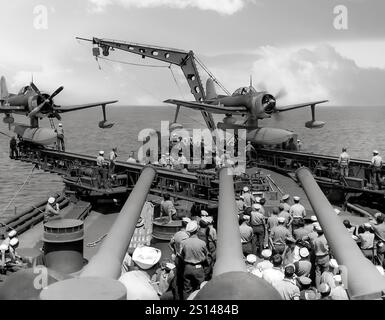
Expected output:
(194, 250)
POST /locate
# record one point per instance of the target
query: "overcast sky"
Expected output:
(282, 44)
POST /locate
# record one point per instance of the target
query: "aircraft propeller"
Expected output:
(46, 100)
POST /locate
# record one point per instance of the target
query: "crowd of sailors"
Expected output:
(283, 246)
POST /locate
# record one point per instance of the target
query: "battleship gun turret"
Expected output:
(98, 279)
(230, 279)
(361, 278)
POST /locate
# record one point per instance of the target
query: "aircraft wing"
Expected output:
(299, 105)
(83, 106)
(208, 107)
(7, 109)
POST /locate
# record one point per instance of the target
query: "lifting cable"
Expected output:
(18, 191)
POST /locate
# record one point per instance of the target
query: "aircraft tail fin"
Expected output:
(211, 93)
(3, 88)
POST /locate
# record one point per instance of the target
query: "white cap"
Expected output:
(246, 217)
(257, 206)
(146, 257)
(13, 242)
(186, 219)
(51, 200)
(281, 219)
(170, 266)
(380, 270)
(375, 151)
(204, 213)
(251, 258)
(317, 226)
(298, 140)
(12, 233)
(101, 152)
(333, 263)
(192, 226)
(304, 252)
(285, 196)
(3, 247)
(266, 253)
(313, 218)
(377, 214)
(355, 238)
(245, 189)
(60, 125)
(367, 225)
(257, 199)
(296, 198)
(337, 211)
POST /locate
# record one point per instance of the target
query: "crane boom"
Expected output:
(183, 59)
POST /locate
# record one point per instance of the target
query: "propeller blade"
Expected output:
(33, 86)
(57, 91)
(57, 115)
(35, 111)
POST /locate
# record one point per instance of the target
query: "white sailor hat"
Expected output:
(313, 218)
(186, 219)
(337, 211)
(3, 247)
(367, 225)
(285, 197)
(257, 199)
(251, 258)
(298, 140)
(296, 198)
(281, 219)
(14, 242)
(375, 151)
(51, 200)
(12, 233)
(60, 125)
(245, 189)
(266, 253)
(380, 270)
(333, 263)
(204, 213)
(317, 226)
(355, 238)
(192, 226)
(377, 214)
(304, 252)
(170, 265)
(101, 152)
(257, 206)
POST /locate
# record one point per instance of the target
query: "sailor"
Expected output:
(274, 275)
(285, 202)
(60, 138)
(181, 162)
(287, 287)
(51, 210)
(246, 235)
(272, 221)
(367, 241)
(13, 152)
(113, 156)
(278, 236)
(167, 207)
(131, 158)
(299, 145)
(321, 252)
(101, 163)
(251, 259)
(257, 222)
(286, 215)
(265, 264)
(240, 204)
(298, 212)
(250, 151)
(303, 266)
(247, 197)
(176, 249)
(308, 292)
(194, 253)
(343, 162)
(376, 164)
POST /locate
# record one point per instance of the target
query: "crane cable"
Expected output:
(18, 191)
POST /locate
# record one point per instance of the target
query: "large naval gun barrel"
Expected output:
(363, 279)
(98, 280)
(108, 261)
(230, 277)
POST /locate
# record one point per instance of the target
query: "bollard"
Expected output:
(231, 281)
(363, 279)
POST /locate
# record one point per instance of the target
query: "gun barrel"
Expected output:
(107, 262)
(363, 279)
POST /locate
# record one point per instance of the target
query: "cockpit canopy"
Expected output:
(24, 90)
(244, 90)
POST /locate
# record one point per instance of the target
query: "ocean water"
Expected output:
(360, 129)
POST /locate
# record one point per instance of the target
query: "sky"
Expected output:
(295, 45)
